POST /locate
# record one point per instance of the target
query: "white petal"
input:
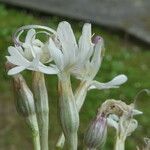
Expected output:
(30, 36)
(131, 127)
(67, 40)
(85, 44)
(112, 123)
(16, 58)
(38, 43)
(16, 70)
(34, 64)
(136, 112)
(114, 83)
(48, 69)
(101, 86)
(97, 55)
(17, 61)
(56, 54)
(118, 80)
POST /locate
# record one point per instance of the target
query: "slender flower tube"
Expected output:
(68, 112)
(26, 107)
(42, 107)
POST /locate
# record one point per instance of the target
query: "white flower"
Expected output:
(82, 60)
(90, 64)
(31, 55)
(67, 54)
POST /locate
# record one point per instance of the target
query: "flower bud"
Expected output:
(24, 97)
(96, 133)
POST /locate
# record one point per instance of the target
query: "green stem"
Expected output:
(61, 141)
(72, 142)
(32, 123)
(36, 142)
(120, 144)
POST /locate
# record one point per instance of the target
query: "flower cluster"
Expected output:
(61, 54)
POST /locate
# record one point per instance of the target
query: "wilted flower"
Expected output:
(120, 116)
(32, 54)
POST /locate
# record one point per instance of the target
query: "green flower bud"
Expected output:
(96, 133)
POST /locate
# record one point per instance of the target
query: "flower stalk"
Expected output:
(120, 144)
(42, 107)
(80, 95)
(69, 116)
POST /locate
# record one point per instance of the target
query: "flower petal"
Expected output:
(16, 58)
(136, 112)
(131, 127)
(112, 121)
(100, 86)
(85, 43)
(118, 80)
(67, 40)
(30, 36)
(48, 69)
(56, 54)
(98, 53)
(16, 70)
(114, 83)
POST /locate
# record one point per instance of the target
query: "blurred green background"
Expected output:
(123, 55)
